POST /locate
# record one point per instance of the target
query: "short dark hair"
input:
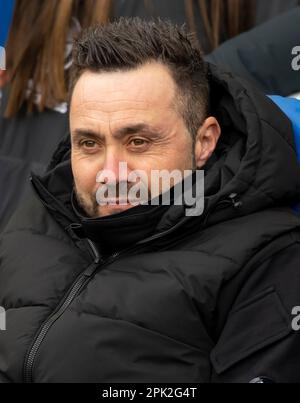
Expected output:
(129, 43)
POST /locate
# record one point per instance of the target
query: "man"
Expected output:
(97, 292)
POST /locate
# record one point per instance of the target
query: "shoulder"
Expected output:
(33, 224)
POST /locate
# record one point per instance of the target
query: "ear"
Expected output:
(206, 140)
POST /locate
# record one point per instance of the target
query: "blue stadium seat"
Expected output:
(291, 107)
(6, 11)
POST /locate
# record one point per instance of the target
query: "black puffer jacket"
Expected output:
(208, 299)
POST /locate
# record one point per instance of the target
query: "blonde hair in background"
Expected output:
(36, 48)
(226, 18)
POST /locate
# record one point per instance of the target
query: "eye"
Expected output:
(138, 142)
(88, 143)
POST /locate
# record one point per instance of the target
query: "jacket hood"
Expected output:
(254, 166)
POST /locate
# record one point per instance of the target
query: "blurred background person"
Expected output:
(33, 110)
(264, 55)
(214, 21)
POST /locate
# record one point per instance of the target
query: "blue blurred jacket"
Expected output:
(6, 11)
(291, 107)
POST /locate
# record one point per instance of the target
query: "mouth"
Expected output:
(119, 202)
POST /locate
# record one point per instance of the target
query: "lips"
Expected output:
(119, 201)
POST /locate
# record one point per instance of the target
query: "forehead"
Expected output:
(150, 87)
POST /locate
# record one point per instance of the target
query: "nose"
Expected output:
(114, 169)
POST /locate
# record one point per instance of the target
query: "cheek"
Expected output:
(185, 154)
(177, 156)
(180, 157)
(85, 175)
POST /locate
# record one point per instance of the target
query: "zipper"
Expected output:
(29, 362)
(85, 277)
(79, 283)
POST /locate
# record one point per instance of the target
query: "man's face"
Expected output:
(126, 116)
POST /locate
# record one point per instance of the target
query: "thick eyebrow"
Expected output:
(140, 128)
(119, 134)
(80, 133)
